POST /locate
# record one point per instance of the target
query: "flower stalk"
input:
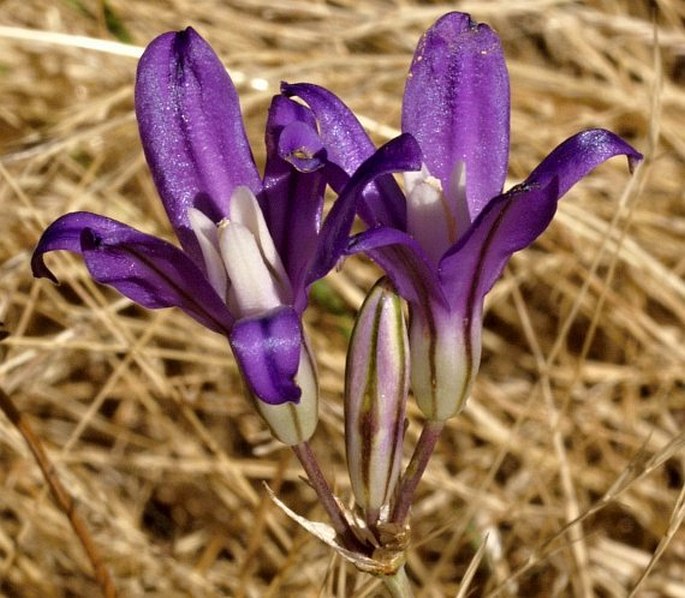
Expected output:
(309, 463)
(398, 584)
(417, 466)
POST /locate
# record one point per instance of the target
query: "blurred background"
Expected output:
(568, 460)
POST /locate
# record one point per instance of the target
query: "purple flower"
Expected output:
(251, 245)
(446, 239)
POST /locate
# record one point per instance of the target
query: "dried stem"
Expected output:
(61, 495)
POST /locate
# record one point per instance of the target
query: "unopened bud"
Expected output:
(376, 387)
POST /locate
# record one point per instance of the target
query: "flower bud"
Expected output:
(376, 387)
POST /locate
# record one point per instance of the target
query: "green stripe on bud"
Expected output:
(376, 388)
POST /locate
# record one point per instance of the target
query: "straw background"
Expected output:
(579, 407)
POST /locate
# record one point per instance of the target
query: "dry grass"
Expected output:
(569, 456)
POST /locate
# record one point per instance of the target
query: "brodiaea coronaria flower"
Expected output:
(251, 245)
(445, 240)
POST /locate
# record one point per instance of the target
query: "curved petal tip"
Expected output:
(267, 349)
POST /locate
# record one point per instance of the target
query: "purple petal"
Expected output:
(578, 155)
(404, 261)
(456, 104)
(150, 271)
(292, 199)
(191, 129)
(348, 146)
(515, 219)
(398, 155)
(267, 349)
(300, 145)
(508, 223)
(346, 140)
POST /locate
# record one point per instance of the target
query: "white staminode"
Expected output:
(207, 235)
(457, 198)
(241, 259)
(435, 218)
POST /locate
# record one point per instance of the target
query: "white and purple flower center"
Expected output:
(240, 257)
(436, 218)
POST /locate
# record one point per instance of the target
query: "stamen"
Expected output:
(253, 290)
(207, 235)
(429, 218)
(240, 257)
(245, 210)
(457, 199)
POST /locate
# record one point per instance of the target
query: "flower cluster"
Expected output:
(251, 245)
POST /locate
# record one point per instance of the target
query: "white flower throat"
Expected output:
(241, 259)
(436, 217)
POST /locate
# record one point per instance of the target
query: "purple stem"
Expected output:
(412, 476)
(323, 491)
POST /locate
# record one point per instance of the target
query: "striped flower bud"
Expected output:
(376, 387)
